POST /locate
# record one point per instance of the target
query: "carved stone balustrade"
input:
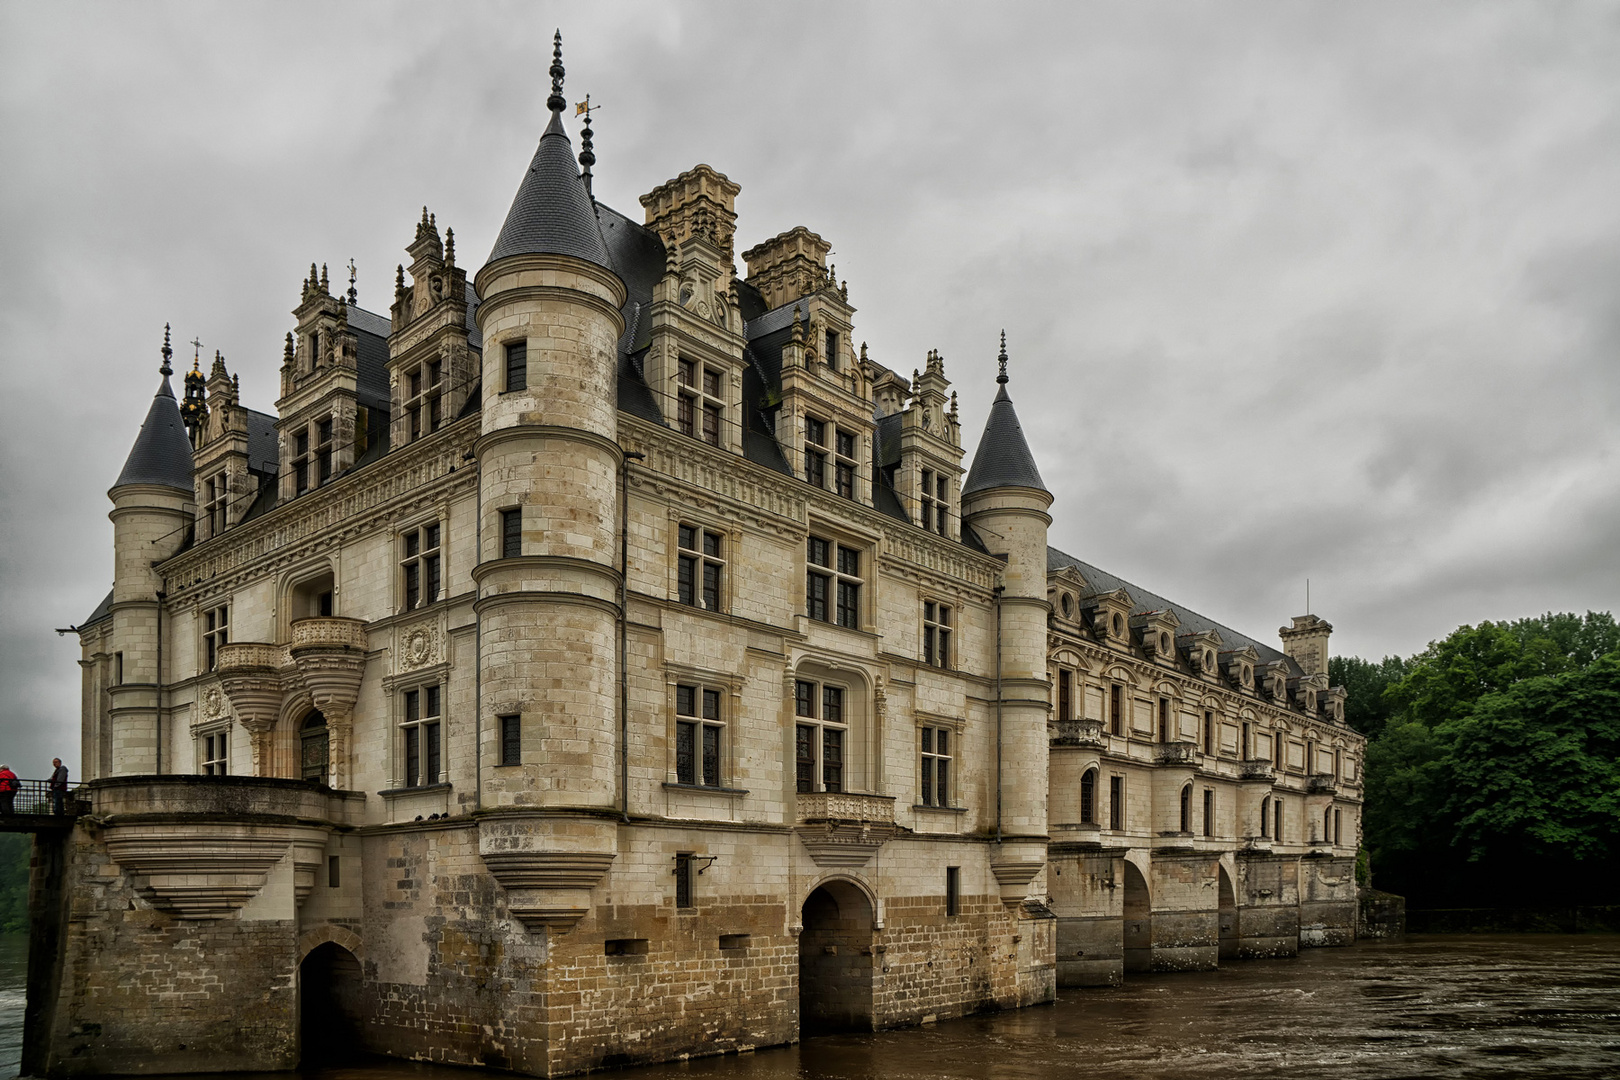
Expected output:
(330, 653)
(1086, 733)
(1322, 784)
(840, 828)
(1257, 770)
(250, 673)
(1178, 753)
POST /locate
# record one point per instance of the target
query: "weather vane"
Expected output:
(354, 297)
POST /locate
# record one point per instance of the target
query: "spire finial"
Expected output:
(449, 245)
(1002, 359)
(166, 370)
(556, 102)
(354, 297)
(587, 156)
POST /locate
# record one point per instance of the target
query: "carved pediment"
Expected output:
(1109, 614)
(1156, 634)
(1201, 650)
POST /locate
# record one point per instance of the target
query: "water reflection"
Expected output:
(1457, 1006)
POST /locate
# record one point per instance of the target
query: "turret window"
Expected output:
(511, 533)
(697, 736)
(699, 405)
(815, 451)
(1088, 797)
(819, 736)
(936, 634)
(216, 632)
(700, 568)
(420, 566)
(517, 366)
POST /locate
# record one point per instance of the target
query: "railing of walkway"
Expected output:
(35, 798)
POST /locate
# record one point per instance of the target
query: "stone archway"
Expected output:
(835, 960)
(331, 1009)
(1138, 921)
(1227, 915)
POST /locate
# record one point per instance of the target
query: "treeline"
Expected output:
(1493, 763)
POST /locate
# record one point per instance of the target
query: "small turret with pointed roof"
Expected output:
(162, 452)
(1003, 458)
(552, 213)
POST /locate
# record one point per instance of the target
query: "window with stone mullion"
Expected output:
(819, 736)
(423, 747)
(421, 566)
(935, 766)
(699, 567)
(697, 736)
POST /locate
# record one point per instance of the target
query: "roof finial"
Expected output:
(354, 297)
(1002, 359)
(587, 156)
(449, 245)
(556, 102)
(166, 370)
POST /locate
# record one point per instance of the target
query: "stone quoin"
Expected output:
(601, 658)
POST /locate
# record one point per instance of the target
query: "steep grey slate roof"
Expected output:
(1003, 458)
(1191, 621)
(552, 214)
(162, 452)
(368, 321)
(103, 610)
(264, 452)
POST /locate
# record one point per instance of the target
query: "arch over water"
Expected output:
(1227, 915)
(331, 1005)
(835, 959)
(1138, 920)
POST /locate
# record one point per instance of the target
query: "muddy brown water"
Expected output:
(1458, 1006)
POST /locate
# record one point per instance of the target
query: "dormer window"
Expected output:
(314, 349)
(300, 463)
(844, 465)
(323, 450)
(423, 402)
(935, 506)
(832, 349)
(699, 404)
(815, 451)
(216, 502)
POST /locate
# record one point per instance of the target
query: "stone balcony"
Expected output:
(1086, 733)
(1322, 784)
(1177, 753)
(1257, 770)
(328, 632)
(843, 829)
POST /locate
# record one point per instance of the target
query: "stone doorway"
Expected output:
(1227, 916)
(835, 960)
(1138, 921)
(330, 1006)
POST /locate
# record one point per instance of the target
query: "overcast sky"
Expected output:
(1291, 290)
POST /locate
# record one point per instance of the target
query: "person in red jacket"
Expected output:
(8, 789)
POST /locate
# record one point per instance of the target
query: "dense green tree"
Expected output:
(16, 849)
(1366, 709)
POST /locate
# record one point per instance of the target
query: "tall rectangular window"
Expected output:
(511, 533)
(1065, 692)
(1279, 750)
(699, 567)
(300, 463)
(819, 736)
(935, 501)
(511, 740)
(833, 574)
(216, 502)
(1243, 737)
(936, 634)
(215, 754)
(323, 449)
(953, 890)
(420, 566)
(683, 880)
(935, 743)
(1116, 802)
(1164, 719)
(849, 587)
(423, 398)
(1209, 812)
(697, 736)
(216, 632)
(1116, 709)
(844, 464)
(1277, 829)
(832, 356)
(517, 365)
(926, 500)
(1209, 731)
(815, 451)
(421, 726)
(699, 405)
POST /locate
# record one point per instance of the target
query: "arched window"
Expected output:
(1088, 797)
(1186, 809)
(1265, 816)
(314, 748)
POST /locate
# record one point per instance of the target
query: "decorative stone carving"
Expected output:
(841, 829)
(330, 654)
(250, 676)
(1015, 865)
(1079, 733)
(547, 865)
(419, 646)
(199, 871)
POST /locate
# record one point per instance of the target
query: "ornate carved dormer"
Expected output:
(224, 488)
(1109, 615)
(318, 405)
(825, 423)
(1201, 651)
(1064, 588)
(1306, 692)
(929, 476)
(432, 364)
(1156, 635)
(694, 362)
(1276, 682)
(1239, 667)
(1332, 701)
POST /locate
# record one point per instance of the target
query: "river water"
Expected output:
(1459, 1006)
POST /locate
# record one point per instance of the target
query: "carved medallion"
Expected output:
(419, 646)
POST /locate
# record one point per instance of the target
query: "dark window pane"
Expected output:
(430, 563)
(685, 586)
(928, 740)
(1088, 797)
(413, 585)
(711, 587)
(846, 481)
(832, 759)
(684, 414)
(819, 552)
(687, 373)
(413, 756)
(431, 774)
(804, 694)
(846, 444)
(711, 424)
(816, 596)
(832, 704)
(430, 537)
(711, 704)
(683, 881)
(805, 756)
(711, 383)
(413, 544)
(928, 781)
(686, 701)
(711, 544)
(944, 742)
(517, 365)
(815, 432)
(685, 753)
(511, 740)
(849, 561)
(849, 603)
(413, 706)
(943, 783)
(711, 755)
(688, 537)
(431, 701)
(815, 468)
(511, 533)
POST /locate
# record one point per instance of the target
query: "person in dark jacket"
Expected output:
(58, 786)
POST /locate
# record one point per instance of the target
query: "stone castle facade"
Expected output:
(601, 658)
